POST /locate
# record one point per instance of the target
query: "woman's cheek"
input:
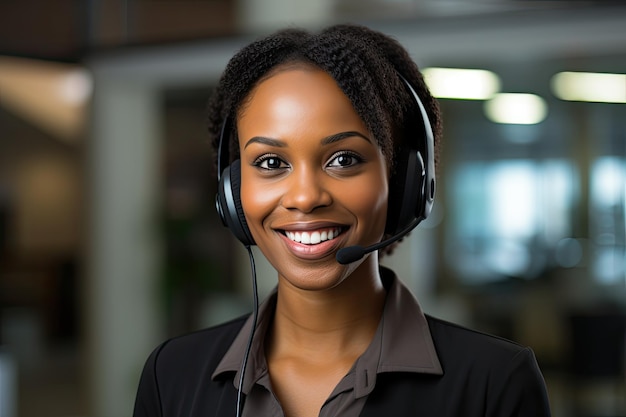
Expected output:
(258, 200)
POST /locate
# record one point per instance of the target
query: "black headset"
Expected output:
(411, 186)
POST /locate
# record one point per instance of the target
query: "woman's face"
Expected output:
(313, 180)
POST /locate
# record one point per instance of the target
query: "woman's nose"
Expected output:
(306, 190)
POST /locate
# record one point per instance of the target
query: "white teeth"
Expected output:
(313, 238)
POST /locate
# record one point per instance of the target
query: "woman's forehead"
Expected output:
(298, 100)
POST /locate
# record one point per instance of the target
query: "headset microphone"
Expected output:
(353, 253)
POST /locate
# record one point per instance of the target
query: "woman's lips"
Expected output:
(313, 237)
(313, 243)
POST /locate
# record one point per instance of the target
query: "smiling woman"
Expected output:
(326, 142)
(319, 173)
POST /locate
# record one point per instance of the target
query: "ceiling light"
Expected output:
(516, 108)
(75, 87)
(589, 86)
(51, 95)
(463, 84)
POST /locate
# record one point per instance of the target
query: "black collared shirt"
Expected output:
(402, 343)
(399, 375)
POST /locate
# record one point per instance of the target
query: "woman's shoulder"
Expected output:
(175, 370)
(459, 343)
(206, 345)
(497, 373)
(224, 332)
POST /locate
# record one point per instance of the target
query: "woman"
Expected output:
(329, 140)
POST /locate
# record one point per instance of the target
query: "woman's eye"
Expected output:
(345, 159)
(269, 163)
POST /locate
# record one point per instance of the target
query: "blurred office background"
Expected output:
(109, 241)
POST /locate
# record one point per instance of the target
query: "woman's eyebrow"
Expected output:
(325, 141)
(266, 141)
(343, 135)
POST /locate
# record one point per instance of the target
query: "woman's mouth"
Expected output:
(313, 237)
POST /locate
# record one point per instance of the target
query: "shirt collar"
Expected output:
(402, 342)
(407, 345)
(257, 365)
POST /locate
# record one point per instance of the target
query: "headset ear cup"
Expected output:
(406, 192)
(394, 199)
(412, 185)
(229, 203)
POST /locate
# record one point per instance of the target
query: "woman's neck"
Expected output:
(338, 321)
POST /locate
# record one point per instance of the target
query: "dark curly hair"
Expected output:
(366, 65)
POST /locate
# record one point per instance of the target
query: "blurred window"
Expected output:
(505, 214)
(608, 219)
